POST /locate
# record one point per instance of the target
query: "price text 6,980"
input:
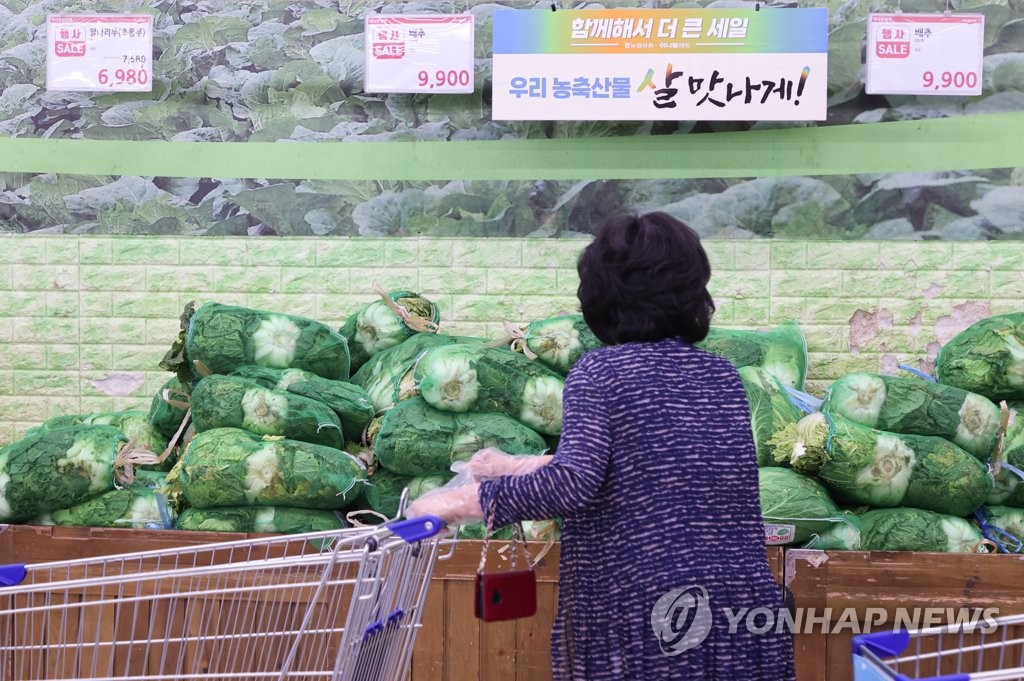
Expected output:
(950, 79)
(444, 78)
(123, 77)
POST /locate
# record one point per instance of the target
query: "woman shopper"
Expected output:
(655, 477)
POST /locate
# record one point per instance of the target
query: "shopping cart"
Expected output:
(991, 650)
(339, 605)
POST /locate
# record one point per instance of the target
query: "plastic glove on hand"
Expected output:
(494, 463)
(460, 506)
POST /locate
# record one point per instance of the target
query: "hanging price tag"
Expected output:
(779, 534)
(419, 53)
(99, 52)
(925, 54)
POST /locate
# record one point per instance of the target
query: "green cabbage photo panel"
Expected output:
(268, 70)
(954, 205)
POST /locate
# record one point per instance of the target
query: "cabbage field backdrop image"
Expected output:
(963, 205)
(233, 72)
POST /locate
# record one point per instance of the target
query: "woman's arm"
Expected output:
(576, 472)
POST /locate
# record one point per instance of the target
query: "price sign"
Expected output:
(779, 534)
(99, 52)
(419, 53)
(925, 54)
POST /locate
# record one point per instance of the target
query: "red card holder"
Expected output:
(502, 596)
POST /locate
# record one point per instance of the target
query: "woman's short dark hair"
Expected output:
(644, 278)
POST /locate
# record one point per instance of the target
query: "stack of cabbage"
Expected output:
(915, 448)
(270, 408)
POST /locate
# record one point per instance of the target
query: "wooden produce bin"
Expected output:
(452, 645)
(837, 580)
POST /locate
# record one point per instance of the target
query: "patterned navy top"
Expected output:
(656, 478)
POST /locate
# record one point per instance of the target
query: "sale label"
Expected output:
(99, 52)
(925, 54)
(419, 53)
(779, 534)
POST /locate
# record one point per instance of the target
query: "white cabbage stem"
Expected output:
(451, 382)
(860, 398)
(885, 480)
(274, 342)
(960, 536)
(263, 412)
(378, 328)
(979, 423)
(261, 470)
(542, 404)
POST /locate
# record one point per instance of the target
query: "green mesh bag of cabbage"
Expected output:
(1009, 523)
(168, 408)
(558, 342)
(986, 358)
(794, 507)
(1009, 487)
(473, 378)
(917, 407)
(414, 439)
(272, 519)
(861, 465)
(134, 424)
(912, 529)
(61, 467)
(385, 323)
(770, 410)
(224, 337)
(387, 376)
(136, 507)
(384, 489)
(782, 351)
(901, 529)
(233, 467)
(350, 402)
(235, 402)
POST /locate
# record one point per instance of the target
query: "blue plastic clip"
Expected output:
(416, 529)
(372, 630)
(992, 533)
(917, 372)
(12, 575)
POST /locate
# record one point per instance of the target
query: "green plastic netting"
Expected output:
(987, 358)
(59, 467)
(233, 467)
(164, 415)
(224, 337)
(135, 507)
(235, 402)
(468, 378)
(770, 409)
(385, 323)
(912, 529)
(134, 424)
(916, 407)
(384, 489)
(278, 520)
(794, 500)
(560, 341)
(781, 351)
(415, 439)
(350, 402)
(861, 465)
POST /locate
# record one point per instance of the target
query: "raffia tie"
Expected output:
(351, 516)
(518, 337)
(176, 398)
(413, 321)
(127, 458)
(1007, 417)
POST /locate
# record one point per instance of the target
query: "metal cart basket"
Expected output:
(986, 650)
(339, 605)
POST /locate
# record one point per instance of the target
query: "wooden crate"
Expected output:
(836, 580)
(452, 645)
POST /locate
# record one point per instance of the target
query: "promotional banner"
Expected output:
(925, 54)
(637, 64)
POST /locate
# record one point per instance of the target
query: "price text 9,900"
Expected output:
(444, 78)
(950, 79)
(123, 77)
